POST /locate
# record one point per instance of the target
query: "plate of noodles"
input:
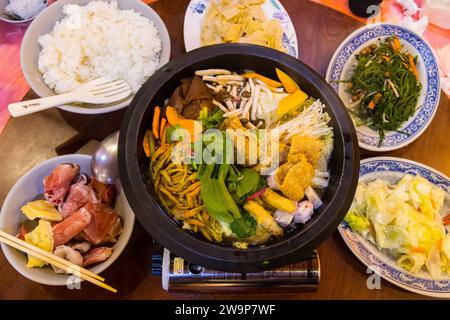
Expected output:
(398, 224)
(261, 22)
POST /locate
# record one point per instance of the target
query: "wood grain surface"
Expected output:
(30, 140)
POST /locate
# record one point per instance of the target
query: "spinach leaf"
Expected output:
(218, 201)
(245, 226)
(248, 183)
(242, 184)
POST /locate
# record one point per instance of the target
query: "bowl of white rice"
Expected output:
(75, 41)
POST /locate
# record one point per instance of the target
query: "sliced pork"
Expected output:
(79, 195)
(57, 184)
(105, 192)
(103, 220)
(65, 230)
(96, 255)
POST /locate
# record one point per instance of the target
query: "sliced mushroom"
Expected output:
(233, 83)
(246, 112)
(243, 103)
(273, 89)
(232, 113)
(210, 72)
(226, 78)
(221, 106)
(230, 105)
(209, 78)
(255, 102)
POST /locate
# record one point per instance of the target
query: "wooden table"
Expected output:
(30, 140)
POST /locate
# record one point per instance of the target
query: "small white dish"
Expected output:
(30, 186)
(197, 9)
(392, 169)
(3, 17)
(44, 23)
(341, 65)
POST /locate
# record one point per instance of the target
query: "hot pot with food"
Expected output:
(250, 67)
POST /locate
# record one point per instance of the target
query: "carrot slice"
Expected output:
(396, 45)
(155, 124)
(446, 220)
(417, 250)
(371, 105)
(268, 81)
(162, 126)
(413, 67)
(386, 58)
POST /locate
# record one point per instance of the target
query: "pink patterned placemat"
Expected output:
(13, 86)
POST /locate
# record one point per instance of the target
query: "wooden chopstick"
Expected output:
(50, 258)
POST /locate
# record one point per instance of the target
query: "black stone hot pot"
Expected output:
(133, 164)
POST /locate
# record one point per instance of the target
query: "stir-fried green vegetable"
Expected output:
(211, 120)
(384, 86)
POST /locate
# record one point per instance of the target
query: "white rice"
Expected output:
(25, 8)
(99, 40)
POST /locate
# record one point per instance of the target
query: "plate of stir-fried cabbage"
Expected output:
(399, 223)
(239, 158)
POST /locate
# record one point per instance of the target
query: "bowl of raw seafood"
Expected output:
(238, 157)
(59, 207)
(73, 42)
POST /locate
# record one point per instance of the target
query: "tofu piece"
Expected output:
(304, 212)
(311, 148)
(283, 218)
(278, 202)
(294, 178)
(313, 197)
(263, 218)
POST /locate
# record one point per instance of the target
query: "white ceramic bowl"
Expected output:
(30, 186)
(4, 3)
(44, 22)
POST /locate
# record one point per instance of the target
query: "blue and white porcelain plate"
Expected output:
(392, 169)
(344, 60)
(273, 9)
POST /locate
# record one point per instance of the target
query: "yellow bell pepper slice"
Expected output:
(291, 102)
(288, 83)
